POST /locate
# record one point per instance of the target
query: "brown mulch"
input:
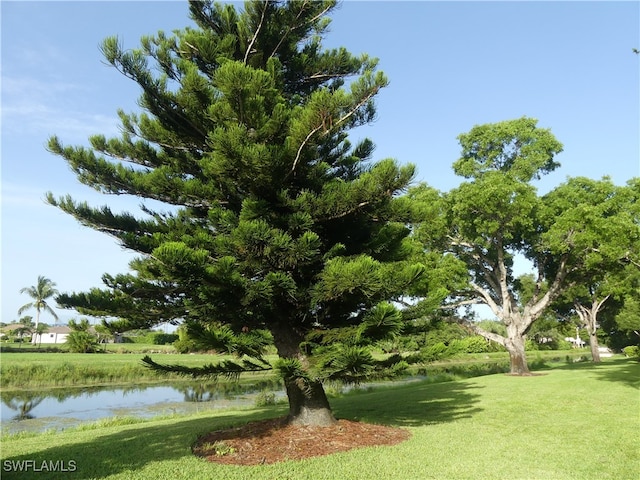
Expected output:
(271, 441)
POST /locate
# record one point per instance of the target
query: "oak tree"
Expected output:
(602, 222)
(496, 215)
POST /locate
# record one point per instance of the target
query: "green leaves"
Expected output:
(350, 364)
(226, 368)
(223, 339)
(341, 276)
(382, 322)
(591, 220)
(494, 207)
(517, 147)
(289, 368)
(180, 259)
(354, 364)
(274, 247)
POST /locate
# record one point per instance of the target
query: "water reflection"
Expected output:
(89, 403)
(23, 403)
(206, 392)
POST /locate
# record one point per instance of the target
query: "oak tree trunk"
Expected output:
(589, 317)
(595, 347)
(308, 403)
(514, 344)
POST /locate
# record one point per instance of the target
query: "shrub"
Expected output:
(530, 345)
(164, 338)
(146, 337)
(265, 398)
(475, 344)
(564, 345)
(82, 342)
(632, 351)
(434, 352)
(185, 345)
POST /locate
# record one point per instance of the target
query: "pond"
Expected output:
(64, 407)
(61, 408)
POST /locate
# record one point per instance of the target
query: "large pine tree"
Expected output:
(278, 227)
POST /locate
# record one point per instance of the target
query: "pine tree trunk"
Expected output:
(308, 403)
(517, 356)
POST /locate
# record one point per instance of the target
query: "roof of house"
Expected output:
(59, 329)
(11, 327)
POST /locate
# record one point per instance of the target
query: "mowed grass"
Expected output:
(573, 422)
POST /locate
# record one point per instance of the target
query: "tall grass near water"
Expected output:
(37, 370)
(29, 370)
(68, 374)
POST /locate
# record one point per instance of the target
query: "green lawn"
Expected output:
(8, 347)
(573, 422)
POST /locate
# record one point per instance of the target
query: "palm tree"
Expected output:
(26, 329)
(39, 331)
(40, 293)
(22, 332)
(80, 340)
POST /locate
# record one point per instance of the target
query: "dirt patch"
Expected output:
(271, 441)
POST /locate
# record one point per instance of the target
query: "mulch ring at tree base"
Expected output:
(271, 441)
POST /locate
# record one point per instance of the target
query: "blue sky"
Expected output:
(451, 65)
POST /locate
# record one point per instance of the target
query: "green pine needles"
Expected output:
(274, 222)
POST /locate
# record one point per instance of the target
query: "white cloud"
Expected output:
(36, 57)
(20, 196)
(32, 106)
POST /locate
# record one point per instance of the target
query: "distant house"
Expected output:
(7, 329)
(577, 342)
(52, 335)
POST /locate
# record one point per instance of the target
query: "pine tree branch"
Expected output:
(226, 368)
(127, 67)
(367, 97)
(299, 152)
(255, 35)
(348, 212)
(290, 29)
(331, 127)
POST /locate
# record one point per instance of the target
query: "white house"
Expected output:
(577, 341)
(52, 335)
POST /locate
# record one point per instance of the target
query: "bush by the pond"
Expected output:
(459, 346)
(164, 338)
(265, 398)
(153, 338)
(632, 351)
(82, 342)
